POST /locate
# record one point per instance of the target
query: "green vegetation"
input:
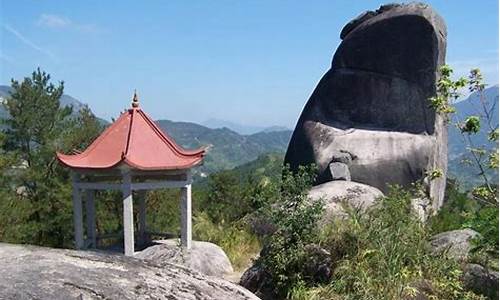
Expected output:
(34, 203)
(295, 218)
(380, 254)
(227, 149)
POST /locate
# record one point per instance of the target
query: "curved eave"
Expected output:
(71, 161)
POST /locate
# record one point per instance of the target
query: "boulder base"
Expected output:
(30, 272)
(204, 257)
(454, 243)
(337, 194)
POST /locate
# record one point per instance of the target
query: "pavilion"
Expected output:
(132, 154)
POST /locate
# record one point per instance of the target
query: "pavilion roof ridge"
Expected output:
(136, 140)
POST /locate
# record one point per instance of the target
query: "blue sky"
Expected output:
(251, 62)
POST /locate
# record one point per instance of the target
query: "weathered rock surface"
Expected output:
(373, 102)
(335, 194)
(478, 279)
(339, 171)
(30, 272)
(455, 243)
(257, 280)
(204, 257)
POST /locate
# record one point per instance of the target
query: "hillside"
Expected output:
(456, 148)
(226, 148)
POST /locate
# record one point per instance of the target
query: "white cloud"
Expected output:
(61, 22)
(28, 42)
(53, 21)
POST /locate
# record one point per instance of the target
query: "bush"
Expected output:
(295, 218)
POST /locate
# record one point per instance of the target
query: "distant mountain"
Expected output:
(226, 148)
(66, 100)
(240, 128)
(456, 149)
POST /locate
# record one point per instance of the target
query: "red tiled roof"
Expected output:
(135, 140)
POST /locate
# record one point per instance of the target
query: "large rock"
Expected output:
(257, 280)
(30, 272)
(337, 194)
(454, 243)
(481, 280)
(204, 257)
(373, 102)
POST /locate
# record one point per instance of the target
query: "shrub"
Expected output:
(295, 218)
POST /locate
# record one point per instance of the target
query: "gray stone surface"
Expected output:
(373, 102)
(30, 272)
(478, 279)
(257, 280)
(204, 257)
(336, 194)
(454, 243)
(339, 171)
(342, 157)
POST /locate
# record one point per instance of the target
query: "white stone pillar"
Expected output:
(77, 213)
(186, 222)
(142, 217)
(128, 215)
(91, 225)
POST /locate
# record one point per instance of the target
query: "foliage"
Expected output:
(447, 90)
(482, 157)
(458, 209)
(295, 218)
(483, 215)
(240, 245)
(230, 195)
(383, 255)
(36, 206)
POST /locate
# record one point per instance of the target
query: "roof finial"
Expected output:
(135, 100)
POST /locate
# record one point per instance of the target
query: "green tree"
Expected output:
(37, 206)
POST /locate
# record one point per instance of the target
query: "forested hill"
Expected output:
(226, 148)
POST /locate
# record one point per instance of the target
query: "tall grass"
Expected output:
(383, 254)
(240, 245)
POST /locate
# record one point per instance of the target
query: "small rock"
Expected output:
(339, 171)
(342, 157)
(455, 243)
(204, 257)
(478, 279)
(422, 208)
(336, 194)
(318, 263)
